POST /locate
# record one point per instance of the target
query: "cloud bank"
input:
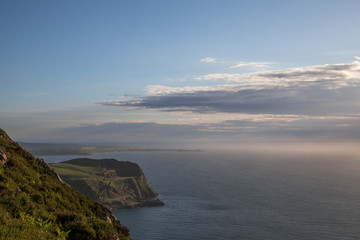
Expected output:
(315, 90)
(267, 129)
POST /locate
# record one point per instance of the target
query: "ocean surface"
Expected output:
(245, 195)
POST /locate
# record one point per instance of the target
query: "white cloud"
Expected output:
(357, 58)
(227, 77)
(208, 60)
(335, 76)
(256, 65)
(165, 90)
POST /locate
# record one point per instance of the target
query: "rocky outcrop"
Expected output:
(3, 157)
(42, 163)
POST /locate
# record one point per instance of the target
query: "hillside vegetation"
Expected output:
(116, 184)
(36, 204)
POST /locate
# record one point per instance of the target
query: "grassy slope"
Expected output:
(35, 204)
(113, 183)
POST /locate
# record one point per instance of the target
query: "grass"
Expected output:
(74, 171)
(35, 204)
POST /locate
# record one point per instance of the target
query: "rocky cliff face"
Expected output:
(35, 204)
(116, 184)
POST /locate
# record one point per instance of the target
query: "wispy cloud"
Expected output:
(338, 74)
(165, 90)
(315, 90)
(254, 65)
(38, 94)
(208, 60)
(357, 58)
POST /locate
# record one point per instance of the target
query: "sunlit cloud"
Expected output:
(336, 74)
(208, 60)
(165, 90)
(254, 65)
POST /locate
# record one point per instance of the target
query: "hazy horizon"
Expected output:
(188, 73)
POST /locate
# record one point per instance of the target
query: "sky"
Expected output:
(138, 72)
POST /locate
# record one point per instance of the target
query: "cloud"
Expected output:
(315, 90)
(133, 133)
(335, 74)
(357, 58)
(165, 90)
(38, 94)
(252, 128)
(256, 65)
(208, 60)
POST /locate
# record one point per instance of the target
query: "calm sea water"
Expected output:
(214, 195)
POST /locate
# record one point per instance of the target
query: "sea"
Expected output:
(245, 195)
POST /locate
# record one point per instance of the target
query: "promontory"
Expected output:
(116, 184)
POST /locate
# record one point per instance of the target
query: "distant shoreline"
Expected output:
(53, 149)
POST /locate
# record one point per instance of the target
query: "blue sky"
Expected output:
(68, 66)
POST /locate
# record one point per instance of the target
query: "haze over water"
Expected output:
(247, 195)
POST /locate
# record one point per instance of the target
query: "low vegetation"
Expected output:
(36, 204)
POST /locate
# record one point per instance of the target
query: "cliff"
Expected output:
(116, 184)
(36, 204)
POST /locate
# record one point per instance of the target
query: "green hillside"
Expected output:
(116, 184)
(36, 204)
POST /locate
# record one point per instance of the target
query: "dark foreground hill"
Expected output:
(116, 184)
(36, 204)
